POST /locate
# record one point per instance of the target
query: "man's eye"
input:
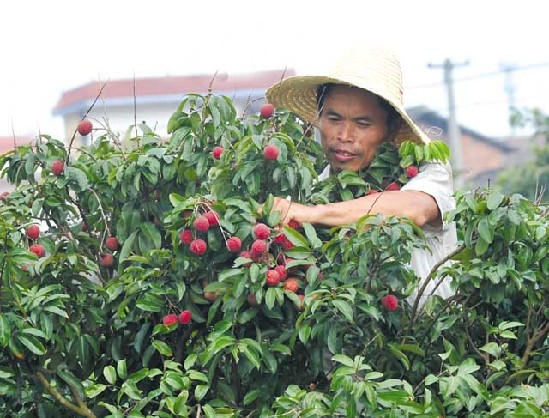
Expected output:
(363, 123)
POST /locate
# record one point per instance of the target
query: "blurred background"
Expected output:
(468, 67)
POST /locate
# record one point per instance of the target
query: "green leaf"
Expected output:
(485, 230)
(270, 298)
(251, 355)
(195, 375)
(94, 390)
(110, 374)
(162, 348)
(200, 391)
(310, 232)
(5, 330)
(345, 308)
(32, 343)
(152, 234)
(494, 200)
(295, 237)
(251, 396)
(343, 359)
(122, 369)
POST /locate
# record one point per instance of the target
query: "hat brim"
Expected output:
(298, 94)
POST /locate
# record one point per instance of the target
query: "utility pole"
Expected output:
(454, 133)
(508, 69)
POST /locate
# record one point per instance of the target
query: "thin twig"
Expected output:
(83, 117)
(429, 278)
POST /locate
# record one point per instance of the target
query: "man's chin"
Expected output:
(338, 168)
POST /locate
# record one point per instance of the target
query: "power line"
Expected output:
(482, 75)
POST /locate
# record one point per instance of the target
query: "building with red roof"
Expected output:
(118, 104)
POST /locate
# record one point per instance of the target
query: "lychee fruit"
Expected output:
(201, 224)
(211, 296)
(57, 167)
(267, 111)
(246, 254)
(390, 302)
(170, 319)
(262, 231)
(84, 127)
(272, 277)
(213, 217)
(294, 224)
(234, 244)
(412, 171)
(279, 239)
(186, 236)
(106, 260)
(282, 271)
(216, 152)
(259, 246)
(287, 244)
(252, 300)
(271, 152)
(394, 186)
(198, 246)
(38, 249)
(33, 231)
(112, 243)
(292, 285)
(185, 317)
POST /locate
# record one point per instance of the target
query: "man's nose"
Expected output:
(345, 133)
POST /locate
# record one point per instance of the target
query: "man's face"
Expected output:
(352, 124)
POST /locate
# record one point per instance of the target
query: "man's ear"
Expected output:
(394, 127)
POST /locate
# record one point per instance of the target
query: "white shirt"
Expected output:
(436, 180)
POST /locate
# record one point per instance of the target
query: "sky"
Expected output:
(48, 47)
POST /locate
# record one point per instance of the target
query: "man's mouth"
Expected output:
(342, 156)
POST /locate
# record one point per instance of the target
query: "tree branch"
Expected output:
(541, 333)
(80, 408)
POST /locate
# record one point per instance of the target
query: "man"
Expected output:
(357, 106)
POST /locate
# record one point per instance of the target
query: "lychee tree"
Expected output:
(160, 284)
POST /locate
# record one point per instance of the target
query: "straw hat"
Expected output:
(374, 69)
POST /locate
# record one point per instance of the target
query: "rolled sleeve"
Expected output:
(435, 179)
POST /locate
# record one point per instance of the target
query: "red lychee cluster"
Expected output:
(283, 241)
(183, 318)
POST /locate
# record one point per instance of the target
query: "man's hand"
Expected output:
(292, 211)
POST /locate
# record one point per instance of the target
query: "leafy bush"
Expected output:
(223, 317)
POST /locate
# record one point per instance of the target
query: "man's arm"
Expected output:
(420, 207)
